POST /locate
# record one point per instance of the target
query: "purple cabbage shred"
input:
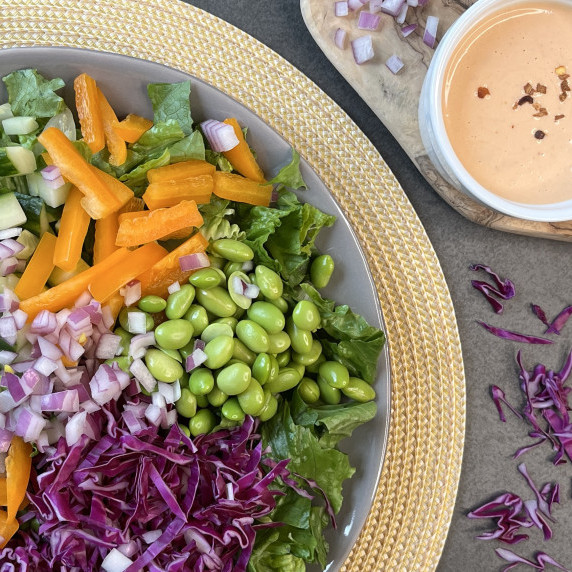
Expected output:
(542, 559)
(560, 321)
(503, 289)
(513, 336)
(540, 314)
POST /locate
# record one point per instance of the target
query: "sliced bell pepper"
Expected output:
(132, 205)
(182, 170)
(38, 269)
(162, 274)
(241, 157)
(132, 127)
(171, 193)
(8, 528)
(73, 229)
(115, 303)
(120, 190)
(115, 145)
(98, 200)
(148, 226)
(66, 293)
(88, 111)
(105, 235)
(103, 286)
(238, 188)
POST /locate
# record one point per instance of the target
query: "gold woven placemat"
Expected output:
(409, 519)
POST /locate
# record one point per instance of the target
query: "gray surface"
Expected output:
(542, 273)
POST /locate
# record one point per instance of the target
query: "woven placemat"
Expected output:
(410, 516)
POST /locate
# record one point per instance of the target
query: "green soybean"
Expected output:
(163, 367)
(270, 407)
(180, 301)
(261, 368)
(202, 423)
(242, 353)
(234, 379)
(217, 397)
(123, 362)
(329, 394)
(201, 381)
(278, 343)
(280, 303)
(306, 315)
(214, 330)
(311, 357)
(186, 405)
(232, 250)
(334, 373)
(202, 401)
(309, 390)
(124, 320)
(235, 281)
(301, 340)
(125, 340)
(251, 400)
(321, 270)
(315, 367)
(269, 282)
(205, 278)
(216, 261)
(287, 379)
(274, 369)
(217, 301)
(298, 367)
(359, 390)
(152, 304)
(174, 334)
(188, 349)
(198, 318)
(268, 316)
(172, 354)
(219, 351)
(228, 321)
(185, 429)
(284, 358)
(232, 411)
(231, 268)
(253, 336)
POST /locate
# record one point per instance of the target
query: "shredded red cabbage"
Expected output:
(540, 314)
(503, 289)
(514, 336)
(560, 321)
(542, 559)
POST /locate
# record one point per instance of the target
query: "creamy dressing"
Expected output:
(507, 150)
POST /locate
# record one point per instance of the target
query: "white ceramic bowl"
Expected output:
(434, 135)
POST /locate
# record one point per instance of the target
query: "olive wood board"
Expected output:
(395, 98)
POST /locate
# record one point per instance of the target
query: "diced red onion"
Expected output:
(143, 375)
(340, 38)
(194, 261)
(392, 7)
(7, 402)
(104, 385)
(83, 300)
(341, 9)
(22, 366)
(131, 292)
(12, 245)
(79, 321)
(8, 301)
(8, 266)
(362, 49)
(71, 348)
(107, 346)
(10, 232)
(56, 183)
(107, 317)
(76, 427)
(134, 424)
(394, 64)
(20, 317)
(170, 391)
(368, 21)
(155, 414)
(196, 358)
(158, 399)
(45, 366)
(402, 14)
(169, 419)
(8, 329)
(29, 424)
(430, 34)
(67, 401)
(136, 322)
(50, 172)
(5, 439)
(375, 6)
(7, 357)
(18, 390)
(44, 323)
(199, 344)
(140, 343)
(151, 536)
(174, 287)
(355, 5)
(48, 349)
(221, 136)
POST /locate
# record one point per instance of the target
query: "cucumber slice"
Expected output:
(53, 197)
(58, 275)
(9, 282)
(35, 210)
(33, 179)
(11, 212)
(5, 111)
(16, 161)
(30, 242)
(19, 125)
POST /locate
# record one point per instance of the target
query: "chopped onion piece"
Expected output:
(10, 232)
(136, 322)
(131, 292)
(355, 5)
(8, 266)
(45, 366)
(50, 172)
(170, 391)
(340, 38)
(341, 9)
(368, 21)
(194, 261)
(221, 136)
(107, 346)
(174, 287)
(394, 64)
(143, 375)
(7, 357)
(362, 49)
(139, 344)
(402, 15)
(115, 561)
(375, 6)
(392, 7)
(196, 358)
(56, 183)
(430, 34)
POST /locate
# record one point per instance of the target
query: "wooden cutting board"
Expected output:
(394, 98)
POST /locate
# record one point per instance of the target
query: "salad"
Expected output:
(173, 384)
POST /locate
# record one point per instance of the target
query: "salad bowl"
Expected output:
(124, 80)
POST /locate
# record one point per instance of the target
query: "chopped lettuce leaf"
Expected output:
(154, 141)
(218, 160)
(137, 178)
(83, 149)
(216, 224)
(289, 175)
(191, 147)
(171, 102)
(30, 94)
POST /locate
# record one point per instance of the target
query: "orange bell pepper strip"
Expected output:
(115, 303)
(132, 127)
(171, 193)
(38, 269)
(162, 274)
(182, 170)
(115, 145)
(238, 188)
(88, 111)
(241, 157)
(98, 200)
(120, 190)
(103, 286)
(73, 229)
(148, 226)
(66, 293)
(132, 205)
(8, 528)
(105, 235)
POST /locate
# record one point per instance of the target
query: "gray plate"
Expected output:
(124, 81)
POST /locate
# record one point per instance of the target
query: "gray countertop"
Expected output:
(540, 269)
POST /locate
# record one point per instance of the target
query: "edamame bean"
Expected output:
(214, 330)
(203, 422)
(321, 270)
(234, 379)
(163, 367)
(278, 343)
(186, 404)
(236, 283)
(184, 429)
(184, 380)
(205, 278)
(270, 407)
(198, 317)
(216, 261)
(251, 400)
(124, 320)
(202, 401)
(231, 268)
(253, 336)
(172, 354)
(228, 321)
(274, 369)
(280, 303)
(314, 367)
(174, 334)
(301, 340)
(188, 349)
(269, 282)
(217, 301)
(217, 397)
(311, 357)
(242, 353)
(268, 316)
(283, 359)
(306, 315)
(298, 367)
(329, 394)
(232, 411)
(123, 362)
(309, 390)
(287, 379)
(180, 301)
(359, 390)
(125, 340)
(219, 351)
(201, 381)
(334, 373)
(152, 304)
(232, 250)
(261, 368)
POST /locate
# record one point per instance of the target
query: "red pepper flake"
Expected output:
(539, 134)
(541, 112)
(482, 92)
(564, 85)
(563, 96)
(528, 89)
(540, 88)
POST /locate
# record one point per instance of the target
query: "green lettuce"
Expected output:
(191, 147)
(155, 140)
(171, 102)
(290, 175)
(216, 222)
